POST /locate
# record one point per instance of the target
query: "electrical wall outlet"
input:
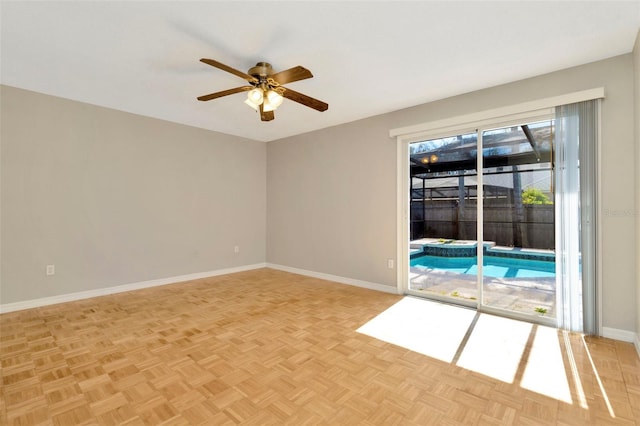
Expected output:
(51, 269)
(236, 249)
(390, 263)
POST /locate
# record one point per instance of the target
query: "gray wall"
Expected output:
(332, 193)
(331, 201)
(112, 198)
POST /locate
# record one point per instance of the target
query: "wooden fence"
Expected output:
(530, 226)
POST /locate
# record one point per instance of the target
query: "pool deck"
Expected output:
(514, 294)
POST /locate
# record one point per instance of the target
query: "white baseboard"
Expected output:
(335, 278)
(70, 297)
(617, 334)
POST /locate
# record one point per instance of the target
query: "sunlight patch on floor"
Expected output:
(508, 350)
(430, 328)
(545, 372)
(575, 374)
(598, 380)
(495, 347)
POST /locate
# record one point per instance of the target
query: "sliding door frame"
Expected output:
(478, 122)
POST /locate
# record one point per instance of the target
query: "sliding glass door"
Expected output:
(502, 215)
(443, 228)
(518, 220)
(487, 239)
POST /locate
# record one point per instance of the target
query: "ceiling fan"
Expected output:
(265, 90)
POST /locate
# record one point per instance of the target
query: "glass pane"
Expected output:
(443, 223)
(518, 272)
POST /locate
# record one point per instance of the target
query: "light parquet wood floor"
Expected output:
(266, 347)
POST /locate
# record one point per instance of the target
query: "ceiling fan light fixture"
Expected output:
(267, 106)
(255, 95)
(274, 98)
(251, 104)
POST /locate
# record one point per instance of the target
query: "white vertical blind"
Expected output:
(575, 175)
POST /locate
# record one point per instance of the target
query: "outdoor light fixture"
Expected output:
(268, 98)
(427, 160)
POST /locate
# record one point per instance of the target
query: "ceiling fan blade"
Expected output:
(292, 74)
(305, 100)
(266, 115)
(224, 93)
(229, 69)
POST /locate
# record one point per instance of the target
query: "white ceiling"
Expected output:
(367, 58)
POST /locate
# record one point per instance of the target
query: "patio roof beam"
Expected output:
(531, 139)
(470, 164)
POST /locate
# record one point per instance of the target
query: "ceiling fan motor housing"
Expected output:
(262, 69)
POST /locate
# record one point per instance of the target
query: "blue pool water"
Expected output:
(497, 267)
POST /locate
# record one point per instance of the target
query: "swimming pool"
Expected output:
(496, 267)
